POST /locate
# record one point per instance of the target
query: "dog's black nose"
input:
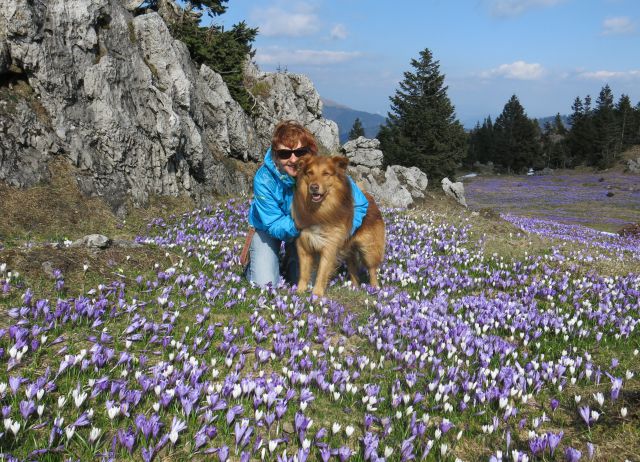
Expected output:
(314, 188)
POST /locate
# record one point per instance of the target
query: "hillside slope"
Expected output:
(345, 117)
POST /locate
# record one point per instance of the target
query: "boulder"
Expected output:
(93, 241)
(397, 186)
(363, 151)
(633, 165)
(454, 190)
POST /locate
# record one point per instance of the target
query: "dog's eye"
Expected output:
(326, 174)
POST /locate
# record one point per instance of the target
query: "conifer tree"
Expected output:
(211, 7)
(357, 129)
(481, 143)
(606, 130)
(624, 114)
(580, 140)
(421, 129)
(517, 144)
(554, 146)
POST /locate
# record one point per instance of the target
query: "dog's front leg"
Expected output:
(305, 260)
(325, 269)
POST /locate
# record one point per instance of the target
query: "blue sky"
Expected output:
(546, 52)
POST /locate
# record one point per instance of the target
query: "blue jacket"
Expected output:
(272, 196)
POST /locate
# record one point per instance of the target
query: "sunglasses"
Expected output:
(286, 153)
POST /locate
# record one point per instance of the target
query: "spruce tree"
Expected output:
(580, 140)
(357, 130)
(606, 130)
(481, 143)
(554, 145)
(624, 114)
(517, 144)
(421, 129)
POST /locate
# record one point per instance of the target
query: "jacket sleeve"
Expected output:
(278, 223)
(361, 205)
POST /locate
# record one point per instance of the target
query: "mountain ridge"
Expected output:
(345, 116)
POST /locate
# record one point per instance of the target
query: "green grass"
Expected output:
(503, 245)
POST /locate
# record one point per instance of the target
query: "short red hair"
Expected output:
(289, 133)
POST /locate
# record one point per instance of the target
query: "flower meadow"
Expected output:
(459, 355)
(603, 200)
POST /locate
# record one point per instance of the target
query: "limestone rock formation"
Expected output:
(454, 190)
(280, 96)
(363, 151)
(396, 186)
(121, 100)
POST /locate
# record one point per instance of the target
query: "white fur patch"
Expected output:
(316, 239)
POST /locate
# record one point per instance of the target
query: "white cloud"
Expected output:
(278, 22)
(518, 70)
(621, 25)
(610, 75)
(510, 8)
(314, 57)
(339, 31)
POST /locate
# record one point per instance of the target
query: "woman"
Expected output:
(270, 212)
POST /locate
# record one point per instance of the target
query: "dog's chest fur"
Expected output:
(318, 237)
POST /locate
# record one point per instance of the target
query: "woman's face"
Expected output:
(287, 166)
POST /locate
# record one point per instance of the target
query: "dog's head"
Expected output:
(319, 175)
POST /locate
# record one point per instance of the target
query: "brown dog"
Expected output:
(323, 208)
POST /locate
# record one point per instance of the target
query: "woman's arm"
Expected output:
(277, 223)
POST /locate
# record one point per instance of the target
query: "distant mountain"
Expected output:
(345, 117)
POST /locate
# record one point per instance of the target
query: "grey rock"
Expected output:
(48, 269)
(363, 151)
(131, 5)
(633, 165)
(285, 96)
(92, 241)
(454, 190)
(397, 186)
(120, 99)
(125, 244)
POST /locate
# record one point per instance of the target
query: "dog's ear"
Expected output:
(302, 163)
(341, 162)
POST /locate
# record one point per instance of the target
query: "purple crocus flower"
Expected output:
(572, 455)
(223, 453)
(148, 453)
(127, 439)
(14, 384)
(538, 444)
(371, 442)
(344, 452)
(243, 433)
(585, 413)
(325, 453)
(233, 412)
(553, 439)
(27, 408)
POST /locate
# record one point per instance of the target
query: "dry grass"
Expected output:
(58, 210)
(37, 217)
